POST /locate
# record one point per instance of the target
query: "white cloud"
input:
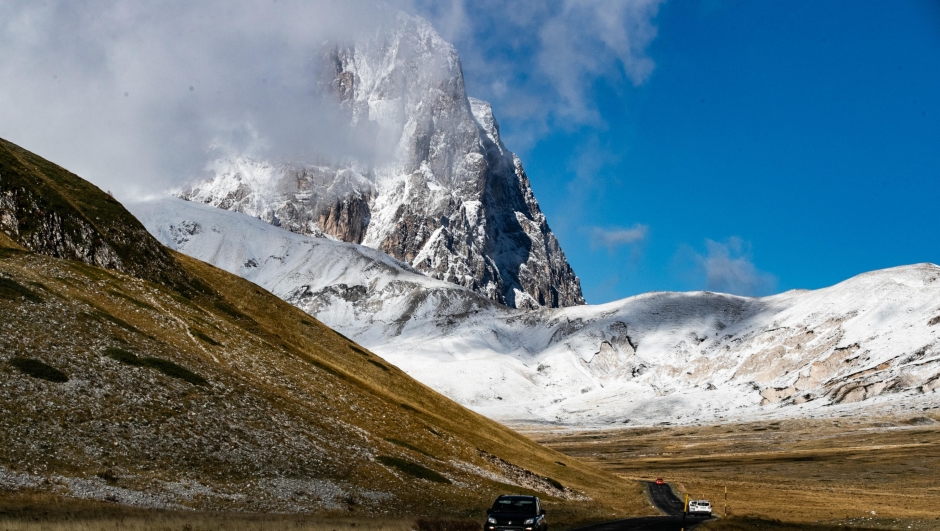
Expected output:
(538, 61)
(726, 267)
(587, 39)
(614, 237)
(131, 94)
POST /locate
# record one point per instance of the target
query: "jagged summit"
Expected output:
(445, 196)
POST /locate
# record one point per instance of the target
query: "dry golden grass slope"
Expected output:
(879, 472)
(200, 390)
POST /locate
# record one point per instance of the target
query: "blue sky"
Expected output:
(772, 146)
(746, 147)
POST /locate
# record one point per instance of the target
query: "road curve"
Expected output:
(664, 500)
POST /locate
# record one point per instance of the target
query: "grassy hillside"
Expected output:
(49, 210)
(176, 385)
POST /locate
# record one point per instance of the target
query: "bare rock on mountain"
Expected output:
(445, 196)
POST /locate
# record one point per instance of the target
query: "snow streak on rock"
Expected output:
(871, 341)
(447, 198)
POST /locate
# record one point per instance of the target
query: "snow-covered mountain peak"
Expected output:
(447, 198)
(916, 275)
(483, 113)
(384, 77)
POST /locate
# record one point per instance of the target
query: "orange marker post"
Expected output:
(685, 510)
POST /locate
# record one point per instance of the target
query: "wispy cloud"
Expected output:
(615, 237)
(132, 94)
(725, 267)
(539, 61)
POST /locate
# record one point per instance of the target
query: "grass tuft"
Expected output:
(165, 366)
(13, 290)
(379, 365)
(123, 356)
(38, 369)
(7, 252)
(231, 311)
(175, 371)
(342, 336)
(204, 337)
(108, 317)
(327, 368)
(358, 350)
(132, 300)
(409, 446)
(413, 469)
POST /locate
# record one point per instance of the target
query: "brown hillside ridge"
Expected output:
(124, 385)
(51, 211)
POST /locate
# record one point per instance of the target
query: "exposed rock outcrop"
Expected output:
(51, 211)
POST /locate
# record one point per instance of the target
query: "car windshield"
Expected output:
(514, 505)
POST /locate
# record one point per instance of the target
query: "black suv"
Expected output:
(516, 513)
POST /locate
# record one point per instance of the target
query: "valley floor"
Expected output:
(875, 472)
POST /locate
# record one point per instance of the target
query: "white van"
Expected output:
(700, 507)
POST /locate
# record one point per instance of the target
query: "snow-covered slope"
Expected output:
(335, 281)
(444, 194)
(659, 357)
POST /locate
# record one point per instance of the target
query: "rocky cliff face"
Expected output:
(446, 196)
(51, 211)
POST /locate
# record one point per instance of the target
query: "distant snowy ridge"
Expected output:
(871, 341)
(450, 199)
